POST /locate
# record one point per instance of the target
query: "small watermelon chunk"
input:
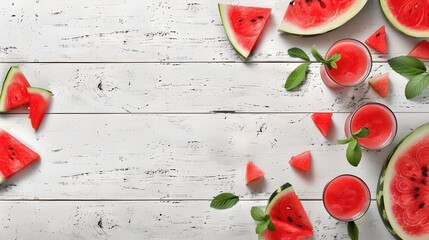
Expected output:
(39, 103)
(253, 173)
(322, 120)
(301, 161)
(380, 84)
(14, 91)
(14, 155)
(378, 40)
(243, 25)
(421, 50)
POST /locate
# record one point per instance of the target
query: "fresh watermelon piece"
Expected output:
(253, 173)
(39, 103)
(301, 161)
(380, 84)
(14, 155)
(243, 25)
(410, 17)
(317, 17)
(421, 50)
(14, 90)
(288, 216)
(322, 120)
(403, 188)
(378, 40)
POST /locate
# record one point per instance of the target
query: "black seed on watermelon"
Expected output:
(253, 20)
(422, 205)
(260, 17)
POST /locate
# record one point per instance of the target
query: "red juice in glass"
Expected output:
(353, 67)
(346, 198)
(380, 121)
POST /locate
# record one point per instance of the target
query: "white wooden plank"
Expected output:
(196, 88)
(192, 156)
(157, 30)
(159, 220)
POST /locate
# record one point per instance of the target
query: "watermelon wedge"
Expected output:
(301, 161)
(421, 50)
(317, 17)
(378, 40)
(253, 173)
(322, 120)
(14, 90)
(14, 155)
(39, 103)
(243, 25)
(380, 84)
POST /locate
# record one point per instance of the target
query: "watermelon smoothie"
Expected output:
(346, 198)
(353, 67)
(380, 121)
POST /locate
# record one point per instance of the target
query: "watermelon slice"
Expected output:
(288, 216)
(317, 17)
(322, 120)
(380, 84)
(243, 25)
(378, 40)
(14, 155)
(39, 103)
(421, 50)
(14, 90)
(410, 17)
(253, 173)
(301, 161)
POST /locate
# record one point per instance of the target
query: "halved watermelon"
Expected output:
(322, 120)
(421, 50)
(317, 17)
(408, 16)
(301, 161)
(243, 25)
(14, 90)
(39, 103)
(14, 155)
(288, 216)
(378, 40)
(380, 84)
(253, 172)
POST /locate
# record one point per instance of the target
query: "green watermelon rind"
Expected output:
(223, 11)
(386, 175)
(3, 96)
(289, 28)
(46, 94)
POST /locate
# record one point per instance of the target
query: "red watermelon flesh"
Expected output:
(39, 103)
(421, 50)
(14, 155)
(243, 25)
(253, 172)
(322, 120)
(14, 90)
(301, 161)
(378, 40)
(380, 84)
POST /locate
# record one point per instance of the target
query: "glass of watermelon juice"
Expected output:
(353, 67)
(346, 198)
(380, 121)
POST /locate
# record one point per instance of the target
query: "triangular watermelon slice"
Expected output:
(378, 40)
(380, 84)
(301, 161)
(39, 103)
(253, 172)
(322, 120)
(421, 50)
(14, 90)
(243, 25)
(14, 155)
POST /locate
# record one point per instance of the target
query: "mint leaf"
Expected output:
(330, 63)
(361, 133)
(257, 214)
(317, 55)
(332, 60)
(261, 227)
(353, 230)
(416, 85)
(345, 141)
(271, 226)
(354, 152)
(296, 77)
(407, 66)
(224, 201)
(298, 53)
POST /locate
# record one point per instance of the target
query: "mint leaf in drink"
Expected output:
(317, 55)
(296, 77)
(354, 152)
(407, 66)
(353, 230)
(416, 85)
(298, 53)
(271, 226)
(330, 63)
(257, 214)
(332, 60)
(361, 133)
(224, 201)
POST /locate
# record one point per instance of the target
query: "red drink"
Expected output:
(380, 121)
(346, 198)
(353, 67)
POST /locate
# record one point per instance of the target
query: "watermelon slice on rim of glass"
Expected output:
(253, 173)
(322, 120)
(378, 40)
(39, 103)
(14, 91)
(421, 50)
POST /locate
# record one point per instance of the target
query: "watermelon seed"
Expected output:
(289, 219)
(240, 20)
(300, 226)
(422, 205)
(11, 158)
(322, 4)
(260, 17)
(416, 189)
(423, 182)
(10, 148)
(292, 3)
(413, 179)
(253, 20)
(416, 195)
(289, 208)
(378, 34)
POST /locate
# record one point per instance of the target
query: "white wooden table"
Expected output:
(154, 114)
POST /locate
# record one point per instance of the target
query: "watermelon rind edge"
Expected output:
(12, 71)
(41, 91)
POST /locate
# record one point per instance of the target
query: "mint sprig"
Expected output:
(353, 230)
(354, 149)
(299, 74)
(264, 220)
(224, 201)
(331, 62)
(298, 53)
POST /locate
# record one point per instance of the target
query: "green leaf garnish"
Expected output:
(257, 214)
(354, 149)
(416, 85)
(353, 230)
(330, 63)
(298, 53)
(296, 77)
(224, 201)
(361, 133)
(264, 220)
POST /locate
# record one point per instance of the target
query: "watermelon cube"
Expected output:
(322, 120)
(253, 173)
(380, 84)
(421, 50)
(301, 161)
